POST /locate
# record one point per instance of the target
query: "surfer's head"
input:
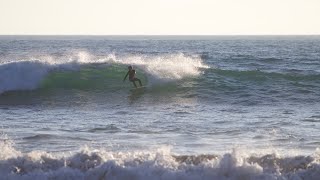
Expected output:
(129, 67)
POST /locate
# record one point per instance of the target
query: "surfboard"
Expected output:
(139, 89)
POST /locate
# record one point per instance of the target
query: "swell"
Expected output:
(44, 137)
(257, 75)
(107, 129)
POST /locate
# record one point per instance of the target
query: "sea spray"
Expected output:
(168, 67)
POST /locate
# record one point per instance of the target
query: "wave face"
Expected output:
(157, 164)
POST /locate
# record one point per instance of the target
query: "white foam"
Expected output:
(169, 67)
(7, 149)
(154, 165)
(21, 75)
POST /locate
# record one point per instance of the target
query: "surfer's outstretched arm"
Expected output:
(126, 76)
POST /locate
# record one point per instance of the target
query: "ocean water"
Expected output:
(214, 107)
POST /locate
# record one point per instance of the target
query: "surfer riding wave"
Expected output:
(131, 72)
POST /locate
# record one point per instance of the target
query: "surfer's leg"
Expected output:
(136, 79)
(139, 81)
(134, 83)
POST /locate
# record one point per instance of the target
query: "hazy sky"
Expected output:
(149, 17)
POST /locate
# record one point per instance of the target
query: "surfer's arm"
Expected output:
(126, 76)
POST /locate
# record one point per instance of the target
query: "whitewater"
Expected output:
(214, 107)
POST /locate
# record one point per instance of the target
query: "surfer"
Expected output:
(131, 72)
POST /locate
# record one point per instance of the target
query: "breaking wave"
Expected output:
(87, 71)
(155, 164)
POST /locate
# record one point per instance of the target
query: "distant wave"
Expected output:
(154, 164)
(107, 129)
(45, 137)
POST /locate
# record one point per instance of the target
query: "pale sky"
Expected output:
(159, 17)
